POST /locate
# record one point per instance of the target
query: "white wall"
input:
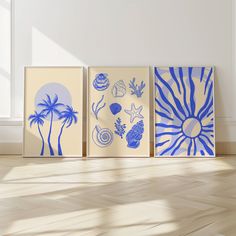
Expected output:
(130, 32)
(5, 53)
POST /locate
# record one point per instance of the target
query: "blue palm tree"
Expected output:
(38, 118)
(50, 107)
(68, 116)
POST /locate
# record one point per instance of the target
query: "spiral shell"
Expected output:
(101, 82)
(102, 137)
(119, 89)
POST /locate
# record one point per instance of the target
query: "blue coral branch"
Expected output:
(98, 107)
(120, 128)
(136, 89)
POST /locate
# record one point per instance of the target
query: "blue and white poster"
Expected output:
(118, 112)
(53, 112)
(184, 112)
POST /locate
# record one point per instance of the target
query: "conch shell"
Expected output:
(134, 136)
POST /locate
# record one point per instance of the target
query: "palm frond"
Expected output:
(68, 116)
(49, 101)
(55, 99)
(32, 122)
(36, 118)
(42, 104)
(58, 104)
(31, 117)
(45, 112)
(57, 112)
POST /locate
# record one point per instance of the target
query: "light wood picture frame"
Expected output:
(118, 112)
(184, 111)
(53, 112)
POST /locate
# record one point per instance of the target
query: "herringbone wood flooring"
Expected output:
(111, 197)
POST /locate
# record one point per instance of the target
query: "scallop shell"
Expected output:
(119, 89)
(115, 108)
(101, 82)
(134, 136)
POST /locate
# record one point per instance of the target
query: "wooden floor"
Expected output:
(111, 197)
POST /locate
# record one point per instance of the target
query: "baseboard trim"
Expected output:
(222, 148)
(226, 148)
(10, 148)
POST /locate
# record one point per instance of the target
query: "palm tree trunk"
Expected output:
(59, 140)
(49, 136)
(41, 135)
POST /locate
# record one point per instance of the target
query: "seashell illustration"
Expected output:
(119, 89)
(101, 82)
(102, 137)
(115, 108)
(134, 136)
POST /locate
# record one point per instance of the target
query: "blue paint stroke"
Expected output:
(209, 96)
(178, 147)
(192, 91)
(204, 113)
(208, 126)
(167, 126)
(172, 72)
(163, 115)
(195, 147)
(168, 133)
(167, 102)
(207, 148)
(208, 79)
(161, 106)
(189, 147)
(208, 140)
(162, 143)
(171, 147)
(181, 76)
(202, 73)
(210, 113)
(176, 100)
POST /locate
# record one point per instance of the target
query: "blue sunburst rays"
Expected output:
(181, 144)
(161, 85)
(184, 123)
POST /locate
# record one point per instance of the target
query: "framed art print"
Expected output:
(118, 112)
(53, 112)
(184, 112)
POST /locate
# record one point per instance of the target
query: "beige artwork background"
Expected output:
(71, 140)
(106, 119)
